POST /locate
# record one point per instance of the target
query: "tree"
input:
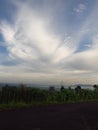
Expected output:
(62, 88)
(51, 89)
(78, 89)
(95, 86)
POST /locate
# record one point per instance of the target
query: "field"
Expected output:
(69, 116)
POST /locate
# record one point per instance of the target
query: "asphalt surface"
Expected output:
(72, 116)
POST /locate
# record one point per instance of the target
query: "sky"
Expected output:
(49, 41)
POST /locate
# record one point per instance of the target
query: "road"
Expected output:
(72, 116)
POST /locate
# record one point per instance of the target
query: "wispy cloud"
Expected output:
(31, 41)
(80, 8)
(35, 52)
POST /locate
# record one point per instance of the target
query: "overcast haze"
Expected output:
(49, 41)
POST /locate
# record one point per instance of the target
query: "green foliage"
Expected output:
(27, 96)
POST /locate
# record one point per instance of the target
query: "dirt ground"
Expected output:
(72, 116)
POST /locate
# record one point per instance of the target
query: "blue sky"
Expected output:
(49, 41)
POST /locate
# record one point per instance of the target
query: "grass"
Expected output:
(12, 105)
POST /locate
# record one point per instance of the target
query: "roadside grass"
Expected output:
(13, 105)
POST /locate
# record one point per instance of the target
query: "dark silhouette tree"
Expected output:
(62, 88)
(78, 89)
(95, 87)
(51, 89)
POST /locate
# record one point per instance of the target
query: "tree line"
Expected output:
(30, 95)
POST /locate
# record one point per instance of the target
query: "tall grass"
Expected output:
(28, 96)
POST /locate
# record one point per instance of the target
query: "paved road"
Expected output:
(77, 116)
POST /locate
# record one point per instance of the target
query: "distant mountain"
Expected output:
(41, 86)
(84, 86)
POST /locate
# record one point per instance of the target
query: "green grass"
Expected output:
(12, 105)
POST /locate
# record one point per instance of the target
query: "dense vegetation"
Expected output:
(29, 96)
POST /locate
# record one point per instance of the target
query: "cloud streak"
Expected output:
(80, 8)
(35, 52)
